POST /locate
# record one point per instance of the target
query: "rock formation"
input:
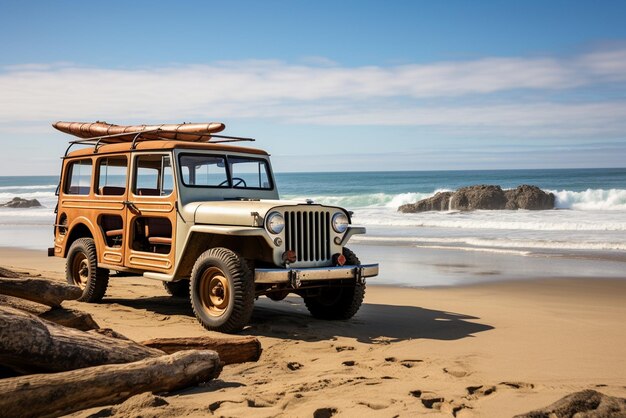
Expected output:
(528, 197)
(440, 201)
(478, 197)
(20, 203)
(587, 404)
(484, 197)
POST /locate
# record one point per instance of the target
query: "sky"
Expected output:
(326, 85)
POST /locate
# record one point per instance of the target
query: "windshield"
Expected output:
(203, 170)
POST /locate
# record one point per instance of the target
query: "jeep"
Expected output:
(180, 204)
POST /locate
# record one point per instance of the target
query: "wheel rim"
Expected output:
(80, 270)
(214, 292)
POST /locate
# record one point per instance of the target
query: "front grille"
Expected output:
(308, 234)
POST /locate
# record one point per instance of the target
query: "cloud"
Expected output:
(491, 95)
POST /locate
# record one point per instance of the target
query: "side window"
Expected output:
(249, 173)
(78, 180)
(112, 176)
(153, 176)
(203, 170)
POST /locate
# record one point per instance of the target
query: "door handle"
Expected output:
(130, 205)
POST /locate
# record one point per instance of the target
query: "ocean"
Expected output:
(590, 217)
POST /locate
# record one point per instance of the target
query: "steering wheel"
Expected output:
(236, 182)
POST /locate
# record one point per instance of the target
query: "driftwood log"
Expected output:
(70, 318)
(24, 305)
(47, 395)
(39, 290)
(62, 316)
(110, 333)
(4, 272)
(231, 349)
(30, 344)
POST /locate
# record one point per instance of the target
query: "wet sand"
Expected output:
(486, 349)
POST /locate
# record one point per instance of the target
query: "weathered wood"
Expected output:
(4, 272)
(67, 317)
(23, 304)
(39, 290)
(70, 318)
(48, 395)
(109, 333)
(231, 349)
(31, 344)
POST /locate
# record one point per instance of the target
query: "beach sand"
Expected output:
(488, 349)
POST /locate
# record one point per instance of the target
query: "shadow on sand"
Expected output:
(373, 324)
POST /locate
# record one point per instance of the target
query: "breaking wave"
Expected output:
(590, 199)
(392, 201)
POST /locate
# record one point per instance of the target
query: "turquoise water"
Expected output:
(393, 183)
(335, 184)
(592, 203)
(584, 237)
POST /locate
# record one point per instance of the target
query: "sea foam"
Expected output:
(590, 199)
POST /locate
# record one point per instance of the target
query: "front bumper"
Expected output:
(296, 276)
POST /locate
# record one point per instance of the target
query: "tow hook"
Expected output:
(294, 279)
(358, 275)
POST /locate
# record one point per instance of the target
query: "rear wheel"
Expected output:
(81, 269)
(222, 290)
(178, 289)
(341, 302)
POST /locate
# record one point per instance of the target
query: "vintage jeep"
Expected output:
(174, 203)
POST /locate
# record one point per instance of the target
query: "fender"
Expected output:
(241, 231)
(81, 220)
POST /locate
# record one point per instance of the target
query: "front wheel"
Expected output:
(81, 269)
(341, 302)
(222, 290)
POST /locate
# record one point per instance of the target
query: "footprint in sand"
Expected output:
(294, 365)
(479, 391)
(455, 372)
(324, 412)
(377, 406)
(409, 363)
(518, 385)
(432, 402)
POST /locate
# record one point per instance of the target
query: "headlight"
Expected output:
(340, 222)
(275, 223)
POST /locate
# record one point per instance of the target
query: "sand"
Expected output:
(489, 349)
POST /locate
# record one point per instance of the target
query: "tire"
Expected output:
(338, 302)
(81, 269)
(179, 289)
(222, 290)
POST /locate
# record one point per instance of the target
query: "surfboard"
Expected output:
(109, 133)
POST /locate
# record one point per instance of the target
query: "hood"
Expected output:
(234, 212)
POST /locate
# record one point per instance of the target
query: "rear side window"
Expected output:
(153, 175)
(79, 178)
(112, 176)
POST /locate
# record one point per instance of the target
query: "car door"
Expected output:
(151, 213)
(110, 195)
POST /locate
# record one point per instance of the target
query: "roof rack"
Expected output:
(98, 133)
(97, 141)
